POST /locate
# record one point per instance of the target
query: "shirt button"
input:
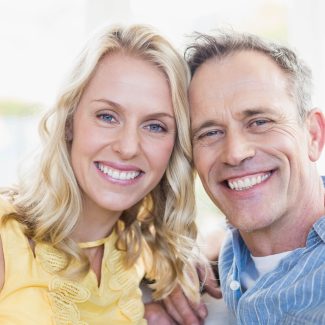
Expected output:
(234, 285)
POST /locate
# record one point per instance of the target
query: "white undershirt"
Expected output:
(258, 266)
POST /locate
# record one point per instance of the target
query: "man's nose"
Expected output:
(127, 142)
(237, 148)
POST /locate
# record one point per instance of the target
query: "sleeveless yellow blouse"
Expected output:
(34, 294)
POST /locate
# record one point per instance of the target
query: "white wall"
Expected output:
(306, 33)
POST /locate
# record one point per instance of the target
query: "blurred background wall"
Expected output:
(39, 39)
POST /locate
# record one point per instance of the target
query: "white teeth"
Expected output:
(247, 182)
(116, 174)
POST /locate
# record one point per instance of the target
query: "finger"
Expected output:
(214, 292)
(210, 284)
(200, 309)
(169, 305)
(156, 314)
(180, 308)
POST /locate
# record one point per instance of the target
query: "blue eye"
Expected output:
(212, 133)
(109, 118)
(208, 137)
(260, 125)
(260, 122)
(156, 128)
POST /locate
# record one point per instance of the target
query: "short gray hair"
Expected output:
(224, 43)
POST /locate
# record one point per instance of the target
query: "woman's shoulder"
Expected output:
(6, 206)
(9, 223)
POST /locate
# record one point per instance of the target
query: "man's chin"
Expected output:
(247, 225)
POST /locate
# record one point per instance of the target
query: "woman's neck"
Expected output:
(94, 223)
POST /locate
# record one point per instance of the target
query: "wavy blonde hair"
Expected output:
(49, 201)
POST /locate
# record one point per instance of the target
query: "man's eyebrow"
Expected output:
(255, 111)
(205, 124)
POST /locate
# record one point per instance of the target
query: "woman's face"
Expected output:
(123, 133)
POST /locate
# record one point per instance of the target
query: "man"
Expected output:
(256, 140)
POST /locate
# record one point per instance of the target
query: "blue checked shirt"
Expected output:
(293, 293)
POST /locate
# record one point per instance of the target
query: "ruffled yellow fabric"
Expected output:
(117, 300)
(64, 294)
(124, 285)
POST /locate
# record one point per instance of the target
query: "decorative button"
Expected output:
(234, 285)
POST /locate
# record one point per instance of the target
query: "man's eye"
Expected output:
(155, 127)
(260, 122)
(209, 137)
(212, 133)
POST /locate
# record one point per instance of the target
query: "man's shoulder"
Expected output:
(228, 251)
(319, 229)
(313, 313)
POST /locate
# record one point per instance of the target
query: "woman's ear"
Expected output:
(68, 130)
(316, 127)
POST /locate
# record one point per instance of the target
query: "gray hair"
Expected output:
(225, 43)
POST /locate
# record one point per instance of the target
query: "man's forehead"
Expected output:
(212, 90)
(244, 97)
(202, 91)
(240, 66)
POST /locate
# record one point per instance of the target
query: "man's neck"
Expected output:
(264, 242)
(288, 233)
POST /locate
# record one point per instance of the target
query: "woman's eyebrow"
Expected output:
(107, 101)
(152, 115)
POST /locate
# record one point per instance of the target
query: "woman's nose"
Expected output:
(127, 142)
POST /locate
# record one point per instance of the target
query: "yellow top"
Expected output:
(34, 294)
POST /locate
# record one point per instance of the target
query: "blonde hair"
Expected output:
(49, 202)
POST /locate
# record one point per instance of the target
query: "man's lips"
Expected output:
(248, 181)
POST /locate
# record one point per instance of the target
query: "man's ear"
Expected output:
(315, 122)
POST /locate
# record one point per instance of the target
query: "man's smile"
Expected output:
(247, 182)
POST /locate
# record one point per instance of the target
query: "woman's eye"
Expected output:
(156, 127)
(109, 118)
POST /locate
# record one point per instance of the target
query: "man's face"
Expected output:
(251, 149)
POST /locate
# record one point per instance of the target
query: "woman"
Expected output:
(110, 198)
